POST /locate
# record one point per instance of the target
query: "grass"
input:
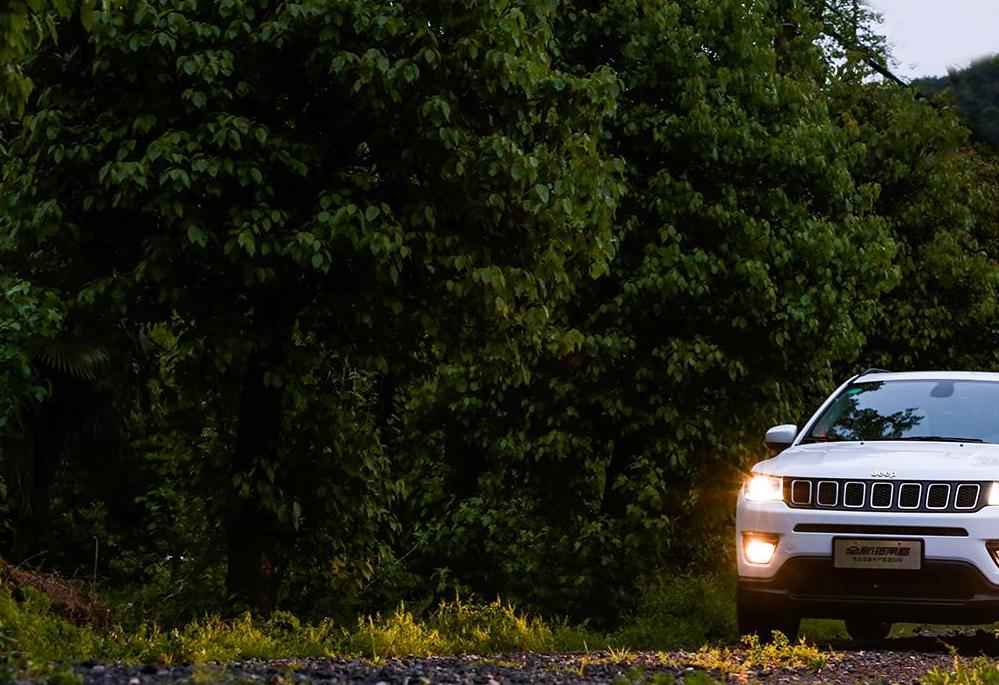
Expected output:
(981, 671)
(673, 613)
(753, 655)
(27, 625)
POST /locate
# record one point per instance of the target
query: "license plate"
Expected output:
(879, 554)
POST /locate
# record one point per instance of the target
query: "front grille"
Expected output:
(882, 495)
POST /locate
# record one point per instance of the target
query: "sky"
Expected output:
(927, 36)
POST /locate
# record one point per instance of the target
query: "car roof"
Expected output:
(929, 376)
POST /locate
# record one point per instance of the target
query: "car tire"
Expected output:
(867, 630)
(762, 619)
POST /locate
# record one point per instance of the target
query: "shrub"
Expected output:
(681, 611)
(30, 626)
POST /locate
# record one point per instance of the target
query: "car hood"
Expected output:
(885, 459)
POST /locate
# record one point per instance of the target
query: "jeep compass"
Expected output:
(884, 507)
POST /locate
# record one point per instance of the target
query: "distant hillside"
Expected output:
(975, 91)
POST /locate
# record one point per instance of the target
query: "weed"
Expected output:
(578, 669)
(781, 653)
(980, 672)
(398, 635)
(619, 655)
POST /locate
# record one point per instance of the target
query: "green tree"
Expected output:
(276, 183)
(751, 261)
(975, 92)
(936, 201)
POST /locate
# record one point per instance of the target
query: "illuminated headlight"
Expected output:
(994, 493)
(759, 548)
(762, 488)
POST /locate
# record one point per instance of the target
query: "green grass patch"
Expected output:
(465, 628)
(28, 625)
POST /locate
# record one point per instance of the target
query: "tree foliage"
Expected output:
(975, 92)
(288, 188)
(408, 298)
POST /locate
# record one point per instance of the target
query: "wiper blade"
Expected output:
(938, 438)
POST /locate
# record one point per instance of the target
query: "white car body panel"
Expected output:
(907, 460)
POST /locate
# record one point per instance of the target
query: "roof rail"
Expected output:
(874, 370)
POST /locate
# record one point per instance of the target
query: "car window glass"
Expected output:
(912, 410)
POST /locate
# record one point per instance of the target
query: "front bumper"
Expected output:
(940, 592)
(958, 581)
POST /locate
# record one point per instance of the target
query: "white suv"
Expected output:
(881, 509)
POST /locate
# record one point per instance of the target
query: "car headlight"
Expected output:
(994, 493)
(763, 488)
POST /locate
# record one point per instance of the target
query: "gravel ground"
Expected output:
(897, 660)
(901, 660)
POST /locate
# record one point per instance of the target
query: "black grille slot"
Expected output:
(881, 495)
(967, 496)
(937, 495)
(801, 492)
(828, 493)
(908, 496)
(853, 494)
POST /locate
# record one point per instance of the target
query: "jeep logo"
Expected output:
(883, 474)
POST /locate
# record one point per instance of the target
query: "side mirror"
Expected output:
(779, 438)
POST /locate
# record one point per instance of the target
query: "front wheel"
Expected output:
(867, 630)
(763, 618)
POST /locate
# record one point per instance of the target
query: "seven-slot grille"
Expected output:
(885, 495)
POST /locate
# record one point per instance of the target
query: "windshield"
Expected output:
(932, 410)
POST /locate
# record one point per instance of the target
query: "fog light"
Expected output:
(993, 547)
(994, 493)
(759, 549)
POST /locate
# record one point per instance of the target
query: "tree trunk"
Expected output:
(253, 531)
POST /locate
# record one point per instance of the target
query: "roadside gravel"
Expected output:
(902, 660)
